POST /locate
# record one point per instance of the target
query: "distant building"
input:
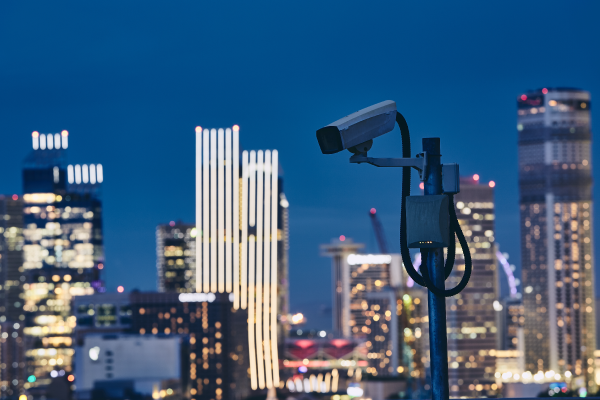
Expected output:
(353, 276)
(384, 342)
(63, 250)
(555, 181)
(471, 316)
(242, 241)
(11, 258)
(12, 352)
(124, 364)
(218, 336)
(176, 257)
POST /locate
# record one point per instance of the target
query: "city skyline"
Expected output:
(140, 124)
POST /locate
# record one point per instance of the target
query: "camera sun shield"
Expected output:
(358, 127)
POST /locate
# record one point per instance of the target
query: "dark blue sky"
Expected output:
(131, 80)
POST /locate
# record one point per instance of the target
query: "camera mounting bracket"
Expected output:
(419, 163)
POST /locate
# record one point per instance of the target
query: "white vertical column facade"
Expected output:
(236, 249)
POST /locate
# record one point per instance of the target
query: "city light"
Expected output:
(15, 197)
(120, 289)
(359, 259)
(342, 238)
(422, 186)
(545, 91)
(476, 177)
(492, 184)
(297, 318)
(373, 211)
(71, 378)
(31, 379)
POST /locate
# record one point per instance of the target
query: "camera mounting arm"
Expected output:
(419, 163)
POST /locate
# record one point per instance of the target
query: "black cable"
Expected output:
(467, 255)
(424, 279)
(410, 269)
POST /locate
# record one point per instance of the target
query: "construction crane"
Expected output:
(379, 234)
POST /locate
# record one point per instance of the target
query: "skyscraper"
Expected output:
(11, 289)
(555, 182)
(11, 258)
(242, 245)
(383, 340)
(63, 250)
(471, 316)
(176, 257)
(353, 276)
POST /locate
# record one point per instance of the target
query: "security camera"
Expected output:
(357, 131)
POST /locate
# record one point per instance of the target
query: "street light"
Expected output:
(432, 221)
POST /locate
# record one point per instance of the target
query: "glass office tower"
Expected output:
(12, 373)
(176, 257)
(471, 316)
(63, 250)
(555, 181)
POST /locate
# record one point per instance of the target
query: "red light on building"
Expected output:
(15, 197)
(523, 97)
(120, 289)
(342, 238)
(492, 183)
(476, 177)
(100, 266)
(545, 91)
(421, 185)
(373, 211)
(172, 223)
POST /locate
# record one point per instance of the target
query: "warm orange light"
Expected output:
(492, 183)
(198, 129)
(35, 134)
(64, 133)
(236, 128)
(71, 378)
(475, 177)
(120, 289)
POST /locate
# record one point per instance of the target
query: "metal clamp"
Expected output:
(419, 163)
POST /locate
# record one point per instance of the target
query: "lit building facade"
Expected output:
(471, 316)
(176, 257)
(62, 252)
(12, 373)
(555, 181)
(240, 201)
(353, 276)
(217, 333)
(384, 343)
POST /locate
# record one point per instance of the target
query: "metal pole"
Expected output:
(438, 341)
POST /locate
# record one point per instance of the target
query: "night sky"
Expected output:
(130, 80)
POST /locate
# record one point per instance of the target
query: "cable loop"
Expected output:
(424, 279)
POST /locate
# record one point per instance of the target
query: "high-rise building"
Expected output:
(242, 241)
(471, 317)
(217, 332)
(353, 276)
(63, 250)
(555, 181)
(176, 257)
(11, 258)
(384, 343)
(12, 375)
